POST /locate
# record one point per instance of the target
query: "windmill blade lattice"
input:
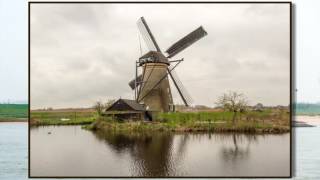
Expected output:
(186, 41)
(147, 35)
(182, 88)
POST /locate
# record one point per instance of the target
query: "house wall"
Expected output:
(130, 116)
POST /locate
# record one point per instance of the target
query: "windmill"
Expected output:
(152, 86)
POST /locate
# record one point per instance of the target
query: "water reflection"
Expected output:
(156, 154)
(240, 148)
(151, 152)
(72, 151)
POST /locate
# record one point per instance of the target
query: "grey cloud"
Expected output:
(81, 53)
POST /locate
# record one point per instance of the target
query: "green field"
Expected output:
(307, 109)
(12, 112)
(57, 117)
(185, 117)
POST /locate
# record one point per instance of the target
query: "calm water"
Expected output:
(71, 151)
(14, 151)
(307, 153)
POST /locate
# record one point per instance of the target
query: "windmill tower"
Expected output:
(152, 87)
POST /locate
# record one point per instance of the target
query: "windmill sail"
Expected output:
(147, 35)
(138, 80)
(186, 41)
(185, 96)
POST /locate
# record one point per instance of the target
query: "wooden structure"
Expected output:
(125, 109)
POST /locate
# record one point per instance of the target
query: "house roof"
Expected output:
(132, 103)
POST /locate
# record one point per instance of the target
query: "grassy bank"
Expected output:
(13, 112)
(267, 121)
(62, 117)
(251, 122)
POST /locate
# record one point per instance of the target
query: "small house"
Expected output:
(125, 109)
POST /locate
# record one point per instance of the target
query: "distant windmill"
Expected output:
(152, 86)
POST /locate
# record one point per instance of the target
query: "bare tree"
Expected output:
(233, 102)
(109, 103)
(99, 107)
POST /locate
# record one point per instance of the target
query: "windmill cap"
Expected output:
(153, 56)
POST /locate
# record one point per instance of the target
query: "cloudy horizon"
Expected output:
(81, 53)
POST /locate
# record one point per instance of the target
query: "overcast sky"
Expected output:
(81, 53)
(13, 51)
(307, 29)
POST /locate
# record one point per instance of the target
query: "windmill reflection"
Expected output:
(152, 153)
